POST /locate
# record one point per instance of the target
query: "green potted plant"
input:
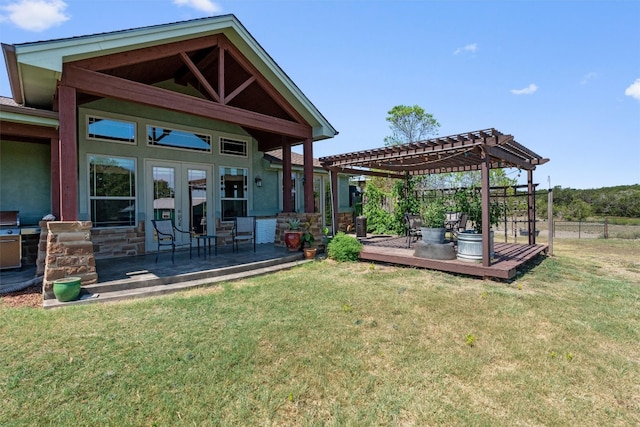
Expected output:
(293, 235)
(433, 213)
(307, 245)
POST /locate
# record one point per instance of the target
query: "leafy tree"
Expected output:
(410, 124)
(579, 210)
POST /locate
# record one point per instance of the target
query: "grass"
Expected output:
(343, 344)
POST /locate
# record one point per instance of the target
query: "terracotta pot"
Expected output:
(293, 239)
(310, 253)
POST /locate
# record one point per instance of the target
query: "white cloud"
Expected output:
(588, 77)
(525, 91)
(35, 15)
(468, 48)
(634, 90)
(201, 5)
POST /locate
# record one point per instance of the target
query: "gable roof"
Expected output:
(35, 68)
(297, 159)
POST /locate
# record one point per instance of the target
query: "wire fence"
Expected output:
(516, 230)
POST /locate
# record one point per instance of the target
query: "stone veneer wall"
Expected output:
(308, 221)
(69, 252)
(345, 222)
(118, 242)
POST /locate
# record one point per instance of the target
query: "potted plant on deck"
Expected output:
(292, 237)
(433, 213)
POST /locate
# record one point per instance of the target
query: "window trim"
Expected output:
(185, 130)
(88, 117)
(91, 198)
(222, 198)
(236, 140)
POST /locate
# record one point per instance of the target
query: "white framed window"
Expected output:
(234, 192)
(233, 147)
(112, 191)
(111, 130)
(161, 136)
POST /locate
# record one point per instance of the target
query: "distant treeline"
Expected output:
(572, 204)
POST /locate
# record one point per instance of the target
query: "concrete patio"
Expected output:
(141, 276)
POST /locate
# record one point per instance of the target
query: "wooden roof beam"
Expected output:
(94, 83)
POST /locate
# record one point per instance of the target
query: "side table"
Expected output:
(206, 242)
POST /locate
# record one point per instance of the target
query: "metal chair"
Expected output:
(413, 224)
(456, 227)
(166, 236)
(244, 230)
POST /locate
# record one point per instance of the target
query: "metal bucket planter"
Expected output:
(470, 246)
(433, 235)
(67, 289)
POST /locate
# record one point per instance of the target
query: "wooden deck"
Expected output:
(508, 258)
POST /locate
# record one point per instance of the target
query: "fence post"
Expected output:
(551, 231)
(579, 228)
(606, 227)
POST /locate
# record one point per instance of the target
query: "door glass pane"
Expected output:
(164, 192)
(198, 200)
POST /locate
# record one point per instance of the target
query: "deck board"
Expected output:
(508, 258)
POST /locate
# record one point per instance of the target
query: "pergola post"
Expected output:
(531, 206)
(486, 205)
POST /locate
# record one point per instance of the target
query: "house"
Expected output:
(191, 120)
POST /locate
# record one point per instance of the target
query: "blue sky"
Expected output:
(563, 77)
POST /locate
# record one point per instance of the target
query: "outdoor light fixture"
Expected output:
(258, 181)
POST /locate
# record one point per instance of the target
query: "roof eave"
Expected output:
(44, 60)
(11, 61)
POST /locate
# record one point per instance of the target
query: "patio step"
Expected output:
(145, 285)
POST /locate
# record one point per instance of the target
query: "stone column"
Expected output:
(69, 252)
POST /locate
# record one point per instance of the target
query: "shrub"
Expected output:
(344, 248)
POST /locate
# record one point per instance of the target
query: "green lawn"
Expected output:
(344, 345)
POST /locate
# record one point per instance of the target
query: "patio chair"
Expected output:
(413, 223)
(244, 230)
(166, 234)
(458, 226)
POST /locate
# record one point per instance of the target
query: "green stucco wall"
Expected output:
(25, 179)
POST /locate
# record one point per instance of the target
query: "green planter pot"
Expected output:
(67, 289)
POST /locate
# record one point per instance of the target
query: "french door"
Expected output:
(181, 192)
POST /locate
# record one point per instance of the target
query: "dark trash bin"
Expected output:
(361, 226)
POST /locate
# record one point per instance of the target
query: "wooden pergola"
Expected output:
(471, 151)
